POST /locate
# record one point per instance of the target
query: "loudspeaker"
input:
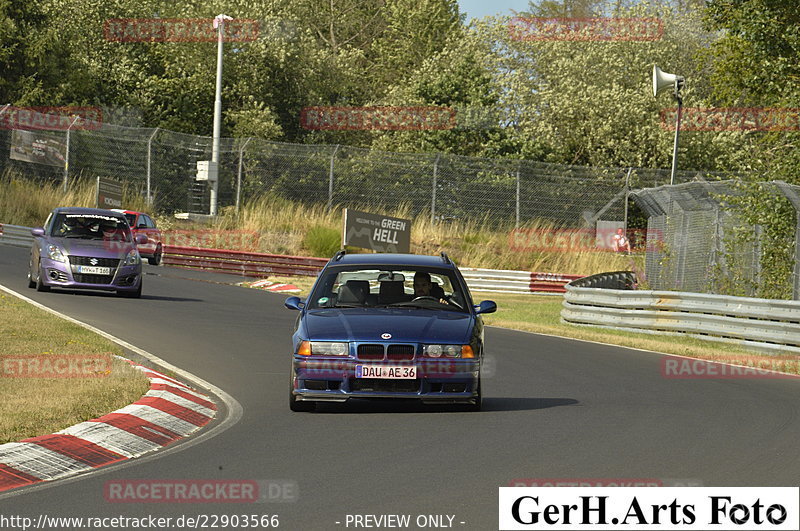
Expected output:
(662, 80)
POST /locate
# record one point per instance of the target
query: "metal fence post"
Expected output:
(66, 158)
(516, 224)
(239, 173)
(433, 191)
(796, 284)
(627, 195)
(330, 178)
(149, 157)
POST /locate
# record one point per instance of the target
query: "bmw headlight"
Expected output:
(320, 348)
(54, 252)
(449, 351)
(133, 258)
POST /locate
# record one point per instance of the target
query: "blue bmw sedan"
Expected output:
(387, 326)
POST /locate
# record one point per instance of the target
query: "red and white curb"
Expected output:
(169, 411)
(275, 287)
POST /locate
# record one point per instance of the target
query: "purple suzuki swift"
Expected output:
(86, 248)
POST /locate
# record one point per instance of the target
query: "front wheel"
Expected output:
(131, 294)
(156, 258)
(298, 405)
(40, 286)
(477, 403)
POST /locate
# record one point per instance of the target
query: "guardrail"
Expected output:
(764, 324)
(259, 264)
(242, 262)
(15, 235)
(503, 281)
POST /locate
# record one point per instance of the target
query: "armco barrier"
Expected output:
(503, 281)
(763, 324)
(260, 264)
(15, 235)
(241, 262)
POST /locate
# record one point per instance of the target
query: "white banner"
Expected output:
(669, 508)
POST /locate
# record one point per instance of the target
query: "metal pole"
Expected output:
(797, 259)
(149, 156)
(627, 195)
(219, 21)
(433, 191)
(239, 174)
(330, 178)
(66, 159)
(677, 134)
(516, 223)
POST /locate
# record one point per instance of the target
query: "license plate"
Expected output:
(94, 270)
(400, 372)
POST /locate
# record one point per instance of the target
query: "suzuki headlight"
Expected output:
(54, 252)
(133, 258)
(319, 348)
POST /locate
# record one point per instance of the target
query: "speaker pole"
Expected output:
(677, 135)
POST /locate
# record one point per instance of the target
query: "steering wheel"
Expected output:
(425, 298)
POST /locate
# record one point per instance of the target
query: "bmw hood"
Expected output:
(404, 325)
(96, 248)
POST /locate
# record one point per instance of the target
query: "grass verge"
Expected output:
(541, 314)
(34, 406)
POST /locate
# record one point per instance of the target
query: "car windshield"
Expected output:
(131, 219)
(384, 287)
(91, 227)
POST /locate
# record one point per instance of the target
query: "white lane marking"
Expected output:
(234, 408)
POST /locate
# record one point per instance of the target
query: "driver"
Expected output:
(424, 287)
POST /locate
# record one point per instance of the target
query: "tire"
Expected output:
(299, 405)
(156, 258)
(477, 403)
(39, 284)
(131, 294)
(31, 283)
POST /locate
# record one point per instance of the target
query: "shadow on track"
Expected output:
(490, 404)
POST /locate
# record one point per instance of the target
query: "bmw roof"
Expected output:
(392, 259)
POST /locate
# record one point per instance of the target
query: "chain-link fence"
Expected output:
(699, 240)
(161, 165)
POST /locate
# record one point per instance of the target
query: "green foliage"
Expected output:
(322, 241)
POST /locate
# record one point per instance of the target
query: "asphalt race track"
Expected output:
(554, 408)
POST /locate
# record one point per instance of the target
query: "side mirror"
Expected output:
(294, 303)
(486, 307)
(37, 232)
(141, 239)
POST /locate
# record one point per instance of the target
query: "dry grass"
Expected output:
(27, 203)
(38, 406)
(282, 226)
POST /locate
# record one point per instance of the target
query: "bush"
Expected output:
(322, 241)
